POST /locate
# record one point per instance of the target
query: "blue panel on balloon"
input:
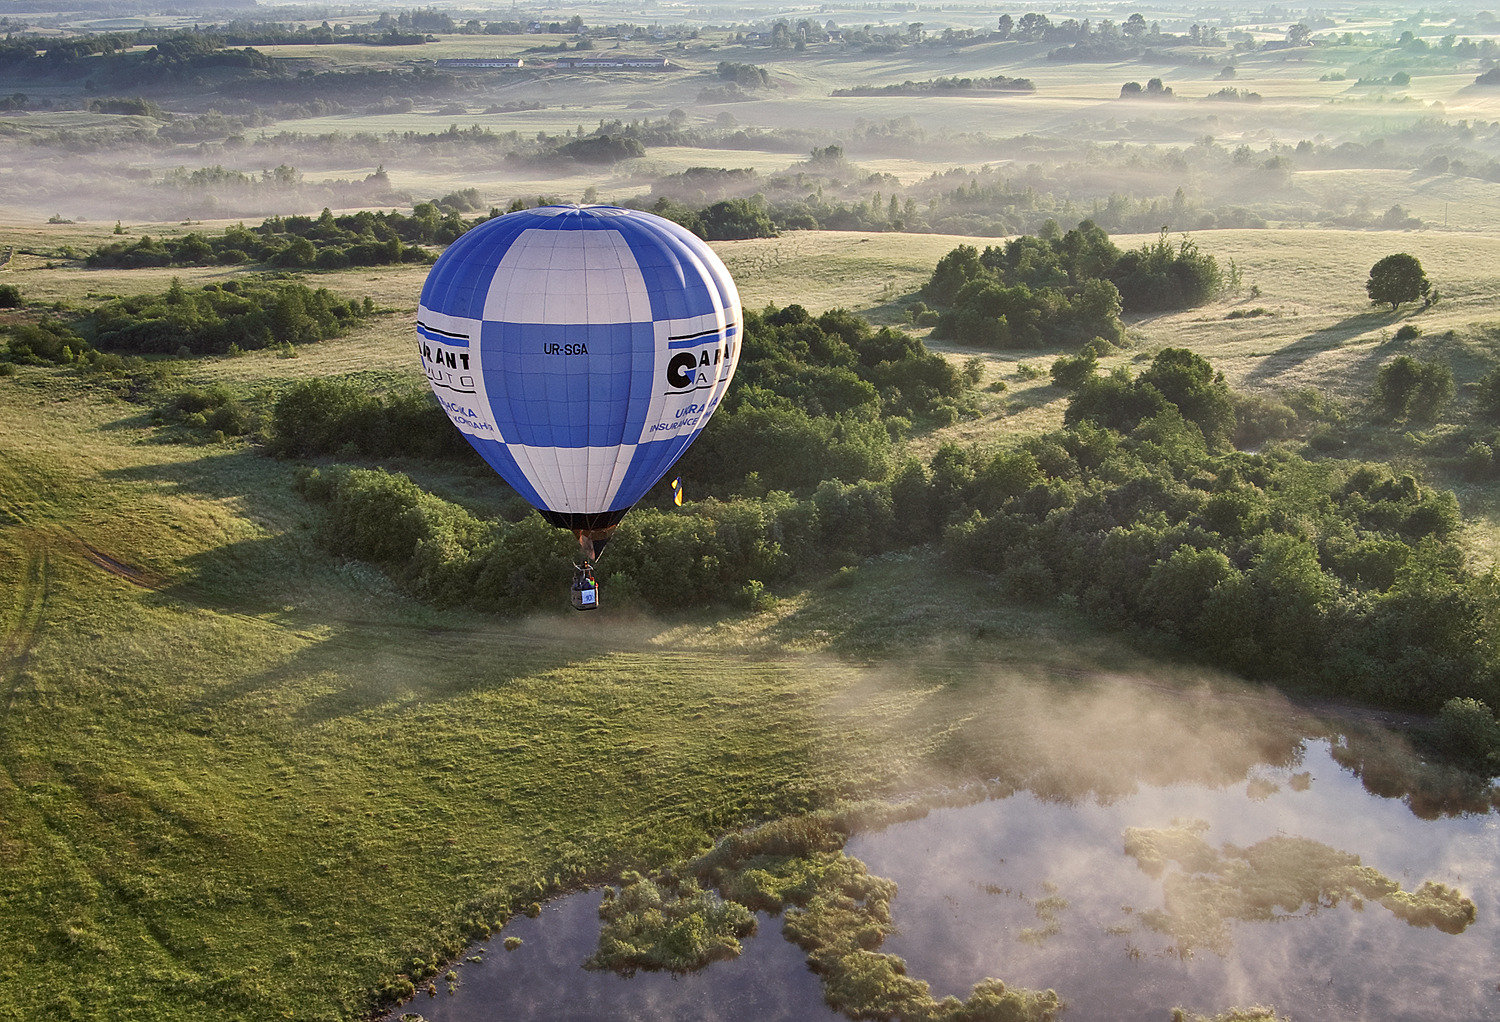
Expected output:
(580, 349)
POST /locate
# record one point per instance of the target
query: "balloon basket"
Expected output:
(585, 593)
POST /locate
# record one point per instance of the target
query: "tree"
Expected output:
(1298, 35)
(732, 219)
(1032, 25)
(1005, 24)
(1408, 389)
(1397, 278)
(1188, 381)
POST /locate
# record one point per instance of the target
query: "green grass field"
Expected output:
(242, 779)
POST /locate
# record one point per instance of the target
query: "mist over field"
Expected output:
(1100, 532)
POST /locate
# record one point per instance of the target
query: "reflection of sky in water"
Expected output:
(968, 876)
(544, 979)
(958, 926)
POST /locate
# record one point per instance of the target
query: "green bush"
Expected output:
(213, 408)
(1467, 731)
(1408, 389)
(325, 416)
(1479, 461)
(47, 342)
(1158, 276)
(1487, 394)
(237, 316)
(1070, 374)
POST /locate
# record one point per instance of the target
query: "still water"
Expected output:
(1040, 893)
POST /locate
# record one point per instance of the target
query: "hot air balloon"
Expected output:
(579, 349)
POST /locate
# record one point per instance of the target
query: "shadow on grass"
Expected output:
(1304, 350)
(390, 667)
(367, 643)
(889, 605)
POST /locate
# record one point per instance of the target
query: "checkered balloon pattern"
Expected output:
(580, 349)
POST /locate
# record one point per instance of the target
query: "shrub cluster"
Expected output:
(1341, 576)
(1063, 288)
(746, 76)
(47, 342)
(1406, 388)
(340, 417)
(814, 399)
(725, 220)
(214, 409)
(1468, 733)
(299, 242)
(818, 398)
(440, 552)
(221, 318)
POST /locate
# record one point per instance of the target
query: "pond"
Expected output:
(1041, 892)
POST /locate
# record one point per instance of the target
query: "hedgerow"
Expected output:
(1334, 576)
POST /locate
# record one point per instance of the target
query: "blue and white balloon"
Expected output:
(580, 349)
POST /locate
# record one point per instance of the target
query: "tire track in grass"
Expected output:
(129, 572)
(22, 624)
(24, 619)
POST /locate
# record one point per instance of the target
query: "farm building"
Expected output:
(479, 62)
(612, 63)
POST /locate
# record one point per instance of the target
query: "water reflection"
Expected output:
(1038, 890)
(971, 881)
(544, 979)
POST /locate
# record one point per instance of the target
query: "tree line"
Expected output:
(325, 242)
(1333, 576)
(218, 319)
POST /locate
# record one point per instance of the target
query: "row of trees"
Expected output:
(238, 315)
(1341, 577)
(940, 86)
(327, 241)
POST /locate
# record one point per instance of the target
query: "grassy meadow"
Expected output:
(242, 779)
(245, 779)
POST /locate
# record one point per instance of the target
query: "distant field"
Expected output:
(1320, 325)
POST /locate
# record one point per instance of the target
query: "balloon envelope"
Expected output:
(580, 349)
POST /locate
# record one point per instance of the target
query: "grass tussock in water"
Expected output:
(835, 910)
(672, 925)
(1279, 876)
(1433, 904)
(1254, 1013)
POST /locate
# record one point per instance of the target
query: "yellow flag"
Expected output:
(677, 491)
